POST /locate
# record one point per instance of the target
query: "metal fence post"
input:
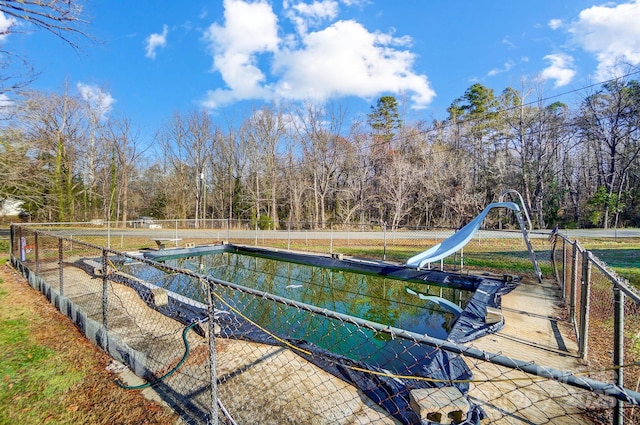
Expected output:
(330, 238)
(37, 254)
(60, 267)
(21, 246)
(12, 239)
(256, 235)
(564, 270)
(618, 351)
(384, 238)
(105, 286)
(212, 355)
(574, 279)
(584, 305)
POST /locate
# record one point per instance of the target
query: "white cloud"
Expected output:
(250, 29)
(341, 59)
(611, 33)
(354, 2)
(6, 105)
(554, 24)
(5, 26)
(506, 67)
(346, 59)
(97, 98)
(561, 69)
(312, 14)
(508, 42)
(155, 40)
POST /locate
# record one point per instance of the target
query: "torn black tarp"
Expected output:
(471, 323)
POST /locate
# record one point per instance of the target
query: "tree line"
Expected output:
(66, 160)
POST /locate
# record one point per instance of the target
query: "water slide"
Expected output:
(463, 236)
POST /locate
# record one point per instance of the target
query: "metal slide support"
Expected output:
(532, 254)
(524, 207)
(524, 229)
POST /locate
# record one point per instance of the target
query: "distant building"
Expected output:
(10, 207)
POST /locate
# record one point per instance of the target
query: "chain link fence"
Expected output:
(276, 360)
(605, 312)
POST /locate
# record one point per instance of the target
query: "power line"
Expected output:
(445, 125)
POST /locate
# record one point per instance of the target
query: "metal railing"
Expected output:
(605, 311)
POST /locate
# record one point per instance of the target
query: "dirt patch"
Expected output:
(96, 399)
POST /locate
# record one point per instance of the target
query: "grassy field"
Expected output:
(623, 256)
(33, 375)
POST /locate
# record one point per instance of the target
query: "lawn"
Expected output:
(50, 373)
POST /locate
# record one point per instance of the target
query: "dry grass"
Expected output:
(81, 390)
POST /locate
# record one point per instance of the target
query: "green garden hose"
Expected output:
(168, 374)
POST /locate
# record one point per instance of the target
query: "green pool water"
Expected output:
(416, 307)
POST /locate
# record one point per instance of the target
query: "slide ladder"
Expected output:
(463, 236)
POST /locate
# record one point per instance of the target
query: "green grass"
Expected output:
(32, 376)
(622, 255)
(4, 251)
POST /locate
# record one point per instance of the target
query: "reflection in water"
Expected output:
(420, 308)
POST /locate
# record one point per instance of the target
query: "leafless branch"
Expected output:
(63, 18)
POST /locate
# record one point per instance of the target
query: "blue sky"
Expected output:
(152, 58)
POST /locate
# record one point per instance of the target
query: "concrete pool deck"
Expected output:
(534, 332)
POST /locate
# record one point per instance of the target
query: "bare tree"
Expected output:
(22, 176)
(297, 185)
(54, 128)
(63, 18)
(535, 134)
(609, 123)
(265, 130)
(96, 105)
(398, 189)
(318, 131)
(228, 168)
(123, 140)
(200, 142)
(356, 173)
(186, 143)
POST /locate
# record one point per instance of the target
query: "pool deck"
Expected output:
(533, 332)
(533, 325)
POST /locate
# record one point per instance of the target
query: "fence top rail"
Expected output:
(618, 282)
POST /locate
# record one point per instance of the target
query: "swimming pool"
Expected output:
(425, 302)
(418, 307)
(345, 315)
